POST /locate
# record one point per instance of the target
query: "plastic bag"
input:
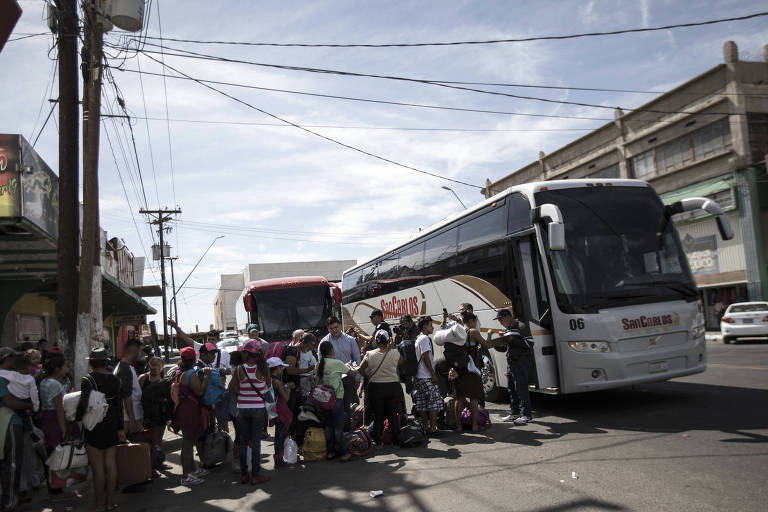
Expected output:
(290, 451)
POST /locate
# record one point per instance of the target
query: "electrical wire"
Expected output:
(167, 114)
(370, 100)
(200, 56)
(476, 42)
(149, 135)
(316, 134)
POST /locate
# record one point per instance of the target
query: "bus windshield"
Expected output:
(281, 311)
(613, 255)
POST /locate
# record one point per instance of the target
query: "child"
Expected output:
(307, 360)
(22, 386)
(35, 361)
(284, 415)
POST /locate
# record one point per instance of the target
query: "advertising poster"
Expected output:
(702, 254)
(10, 187)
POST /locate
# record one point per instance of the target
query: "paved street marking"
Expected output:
(737, 366)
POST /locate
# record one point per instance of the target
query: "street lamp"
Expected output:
(455, 194)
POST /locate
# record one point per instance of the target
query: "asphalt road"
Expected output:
(698, 443)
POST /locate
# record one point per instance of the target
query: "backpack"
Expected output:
(483, 418)
(157, 402)
(313, 447)
(323, 396)
(275, 349)
(412, 436)
(456, 356)
(359, 442)
(96, 409)
(217, 446)
(214, 392)
(410, 364)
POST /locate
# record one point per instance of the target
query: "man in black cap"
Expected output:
(377, 320)
(519, 348)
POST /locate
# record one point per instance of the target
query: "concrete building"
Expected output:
(707, 137)
(232, 285)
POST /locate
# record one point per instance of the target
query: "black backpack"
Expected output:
(412, 436)
(410, 364)
(156, 401)
(457, 356)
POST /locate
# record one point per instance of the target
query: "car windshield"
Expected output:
(228, 343)
(282, 311)
(747, 308)
(614, 255)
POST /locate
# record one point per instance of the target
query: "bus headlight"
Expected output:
(698, 331)
(593, 347)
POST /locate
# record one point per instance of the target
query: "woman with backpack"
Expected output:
(330, 372)
(156, 401)
(249, 382)
(190, 417)
(384, 391)
(101, 441)
(468, 385)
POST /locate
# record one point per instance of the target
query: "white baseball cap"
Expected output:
(274, 362)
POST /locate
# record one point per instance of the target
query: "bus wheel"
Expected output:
(493, 393)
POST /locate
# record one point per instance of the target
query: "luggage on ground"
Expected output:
(218, 446)
(359, 442)
(134, 463)
(483, 418)
(450, 413)
(313, 447)
(411, 436)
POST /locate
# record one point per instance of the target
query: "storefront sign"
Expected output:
(702, 254)
(10, 188)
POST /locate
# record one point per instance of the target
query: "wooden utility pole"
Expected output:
(90, 262)
(69, 169)
(160, 217)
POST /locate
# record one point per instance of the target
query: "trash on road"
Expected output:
(376, 494)
(574, 475)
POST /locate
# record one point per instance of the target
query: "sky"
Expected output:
(278, 193)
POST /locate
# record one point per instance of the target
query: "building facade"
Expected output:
(708, 138)
(224, 305)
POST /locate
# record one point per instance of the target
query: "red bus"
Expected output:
(281, 305)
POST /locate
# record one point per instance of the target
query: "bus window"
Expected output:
(411, 261)
(482, 230)
(519, 213)
(369, 273)
(388, 267)
(440, 253)
(350, 284)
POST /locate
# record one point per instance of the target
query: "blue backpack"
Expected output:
(214, 393)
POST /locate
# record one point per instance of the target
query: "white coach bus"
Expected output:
(594, 267)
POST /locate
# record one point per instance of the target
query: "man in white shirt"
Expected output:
(426, 395)
(214, 358)
(451, 320)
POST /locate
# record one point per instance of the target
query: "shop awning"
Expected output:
(702, 189)
(148, 291)
(120, 300)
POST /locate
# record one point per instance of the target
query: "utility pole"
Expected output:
(160, 217)
(69, 170)
(90, 261)
(175, 309)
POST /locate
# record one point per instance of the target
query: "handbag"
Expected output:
(68, 456)
(323, 396)
(269, 399)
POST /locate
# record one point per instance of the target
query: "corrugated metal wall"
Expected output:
(730, 253)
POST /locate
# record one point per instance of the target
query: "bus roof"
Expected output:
(279, 283)
(527, 189)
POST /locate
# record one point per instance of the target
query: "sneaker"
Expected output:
(522, 420)
(201, 472)
(191, 480)
(510, 418)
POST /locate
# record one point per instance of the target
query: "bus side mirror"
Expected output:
(712, 208)
(556, 236)
(550, 214)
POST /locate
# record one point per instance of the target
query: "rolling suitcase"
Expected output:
(134, 464)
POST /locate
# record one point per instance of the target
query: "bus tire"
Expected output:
(493, 393)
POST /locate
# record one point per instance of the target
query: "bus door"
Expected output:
(536, 312)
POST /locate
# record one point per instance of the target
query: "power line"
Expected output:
(369, 100)
(149, 136)
(487, 41)
(27, 36)
(200, 56)
(353, 127)
(167, 115)
(316, 134)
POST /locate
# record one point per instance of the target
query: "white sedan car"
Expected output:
(744, 320)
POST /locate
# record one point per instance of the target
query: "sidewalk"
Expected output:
(714, 337)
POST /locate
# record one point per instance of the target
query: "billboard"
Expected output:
(29, 190)
(702, 254)
(10, 187)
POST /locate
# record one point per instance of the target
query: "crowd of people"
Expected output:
(346, 382)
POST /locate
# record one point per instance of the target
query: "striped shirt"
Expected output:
(247, 397)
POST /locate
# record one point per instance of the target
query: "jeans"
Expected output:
(385, 399)
(517, 384)
(334, 429)
(187, 453)
(11, 468)
(251, 423)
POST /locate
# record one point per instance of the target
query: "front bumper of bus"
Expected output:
(596, 371)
